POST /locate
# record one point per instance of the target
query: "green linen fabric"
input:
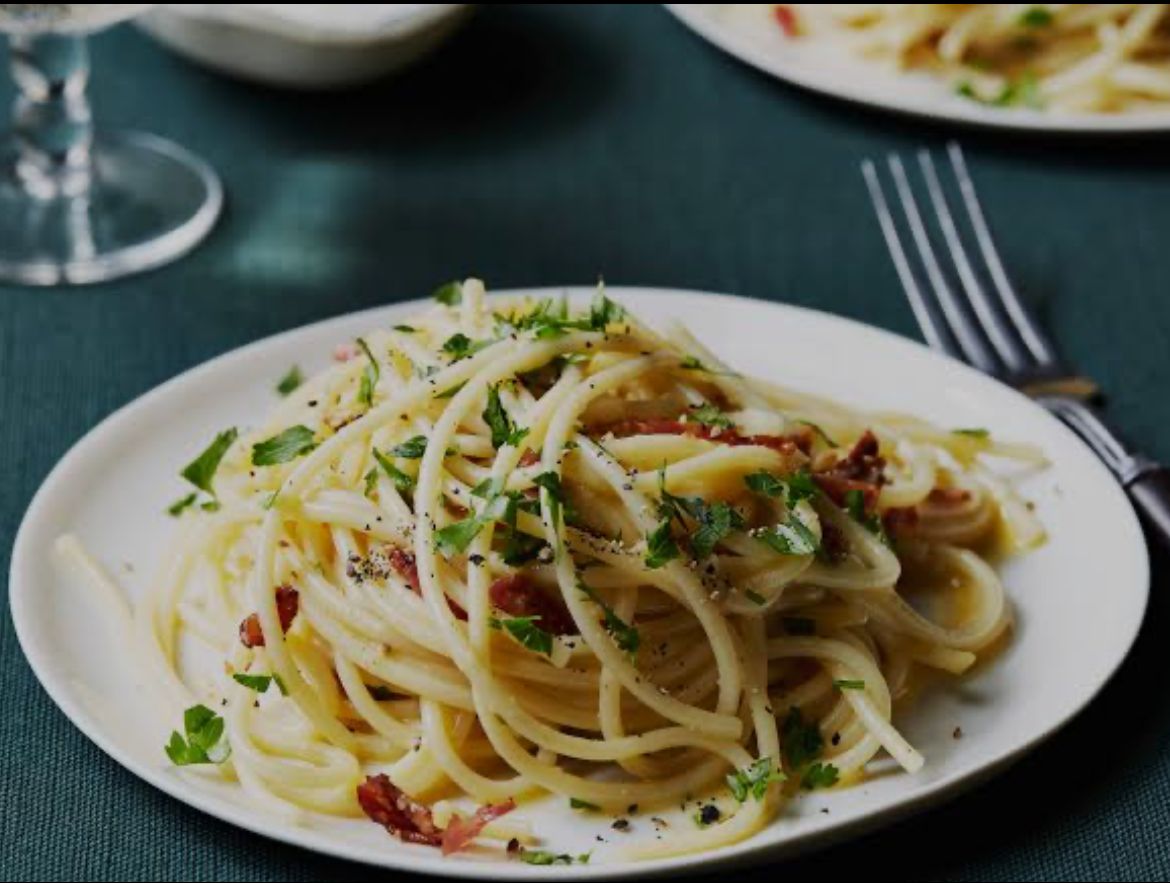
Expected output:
(549, 145)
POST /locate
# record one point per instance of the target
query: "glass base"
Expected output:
(149, 201)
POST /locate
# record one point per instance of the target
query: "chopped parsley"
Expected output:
(972, 432)
(201, 471)
(450, 294)
(401, 480)
(450, 393)
(553, 494)
(660, 546)
(709, 415)
(715, 522)
(544, 857)
(370, 375)
(204, 742)
(290, 381)
(1035, 17)
(755, 597)
(793, 488)
(624, 635)
(284, 447)
(261, 683)
(754, 780)
(525, 630)
(577, 803)
(411, 449)
(405, 329)
(790, 537)
(457, 536)
(1023, 91)
(550, 318)
(504, 429)
(871, 521)
(460, 346)
(819, 775)
(176, 508)
(848, 684)
(802, 744)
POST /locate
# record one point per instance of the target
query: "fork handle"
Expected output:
(1150, 492)
(1146, 481)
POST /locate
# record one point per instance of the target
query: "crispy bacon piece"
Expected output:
(900, 520)
(833, 543)
(786, 18)
(385, 803)
(861, 470)
(529, 457)
(406, 567)
(517, 596)
(460, 831)
(287, 604)
(800, 440)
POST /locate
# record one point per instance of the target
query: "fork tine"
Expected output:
(990, 311)
(929, 321)
(974, 346)
(1035, 339)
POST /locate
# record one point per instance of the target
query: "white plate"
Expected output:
(287, 46)
(751, 34)
(1078, 613)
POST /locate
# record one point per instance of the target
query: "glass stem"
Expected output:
(51, 117)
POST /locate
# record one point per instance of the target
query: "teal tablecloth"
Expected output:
(546, 146)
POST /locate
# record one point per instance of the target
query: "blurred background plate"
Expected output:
(305, 46)
(751, 34)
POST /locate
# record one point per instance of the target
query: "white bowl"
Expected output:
(285, 46)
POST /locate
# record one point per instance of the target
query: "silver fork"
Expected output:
(968, 308)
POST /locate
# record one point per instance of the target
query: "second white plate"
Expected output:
(1077, 613)
(751, 34)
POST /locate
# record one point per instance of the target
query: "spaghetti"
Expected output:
(1063, 57)
(516, 548)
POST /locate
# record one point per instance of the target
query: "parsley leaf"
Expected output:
(177, 507)
(411, 449)
(755, 597)
(754, 780)
(819, 775)
(791, 537)
(371, 481)
(460, 346)
(504, 430)
(972, 432)
(450, 294)
(450, 393)
(201, 471)
(801, 741)
(709, 415)
(290, 381)
(554, 493)
(848, 684)
(716, 521)
(401, 480)
(204, 742)
(260, 683)
(284, 447)
(405, 329)
(624, 635)
(1035, 17)
(793, 488)
(457, 536)
(871, 521)
(577, 803)
(544, 857)
(660, 546)
(526, 632)
(603, 312)
(370, 375)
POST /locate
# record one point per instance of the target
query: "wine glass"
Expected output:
(75, 207)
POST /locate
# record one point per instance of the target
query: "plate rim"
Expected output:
(698, 19)
(743, 853)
